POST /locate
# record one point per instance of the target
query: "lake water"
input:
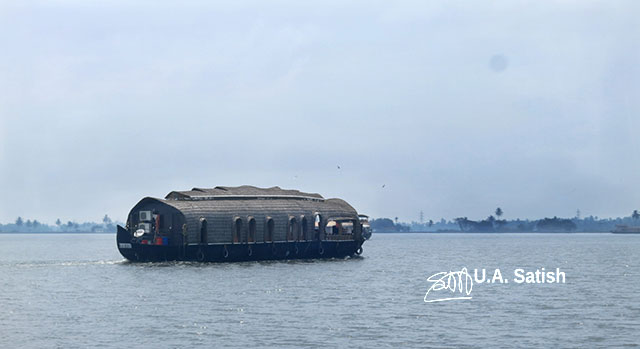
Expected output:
(66, 291)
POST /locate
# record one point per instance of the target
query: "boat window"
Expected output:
(339, 227)
(303, 231)
(268, 237)
(203, 230)
(293, 229)
(237, 231)
(347, 228)
(331, 228)
(252, 230)
(317, 222)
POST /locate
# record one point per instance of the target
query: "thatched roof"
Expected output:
(220, 206)
(241, 192)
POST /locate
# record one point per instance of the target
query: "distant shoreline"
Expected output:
(494, 232)
(56, 232)
(389, 233)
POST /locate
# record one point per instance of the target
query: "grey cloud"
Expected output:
(103, 103)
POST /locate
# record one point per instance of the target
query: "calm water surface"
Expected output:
(66, 291)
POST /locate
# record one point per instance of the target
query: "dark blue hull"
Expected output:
(235, 252)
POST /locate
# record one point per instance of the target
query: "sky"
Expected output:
(452, 108)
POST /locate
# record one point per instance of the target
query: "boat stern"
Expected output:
(123, 239)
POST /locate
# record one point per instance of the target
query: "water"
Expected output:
(66, 291)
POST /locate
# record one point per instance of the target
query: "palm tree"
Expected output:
(635, 215)
(499, 212)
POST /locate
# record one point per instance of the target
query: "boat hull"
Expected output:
(136, 252)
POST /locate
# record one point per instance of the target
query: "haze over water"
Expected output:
(75, 291)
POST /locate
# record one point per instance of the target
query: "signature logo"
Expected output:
(453, 284)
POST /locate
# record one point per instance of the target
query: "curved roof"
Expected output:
(220, 206)
(242, 192)
(249, 199)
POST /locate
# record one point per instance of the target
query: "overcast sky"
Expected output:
(449, 107)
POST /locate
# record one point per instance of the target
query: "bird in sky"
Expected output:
(338, 167)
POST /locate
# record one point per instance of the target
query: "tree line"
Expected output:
(495, 223)
(22, 225)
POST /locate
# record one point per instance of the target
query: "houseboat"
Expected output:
(241, 224)
(625, 229)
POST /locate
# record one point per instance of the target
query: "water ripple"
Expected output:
(83, 294)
